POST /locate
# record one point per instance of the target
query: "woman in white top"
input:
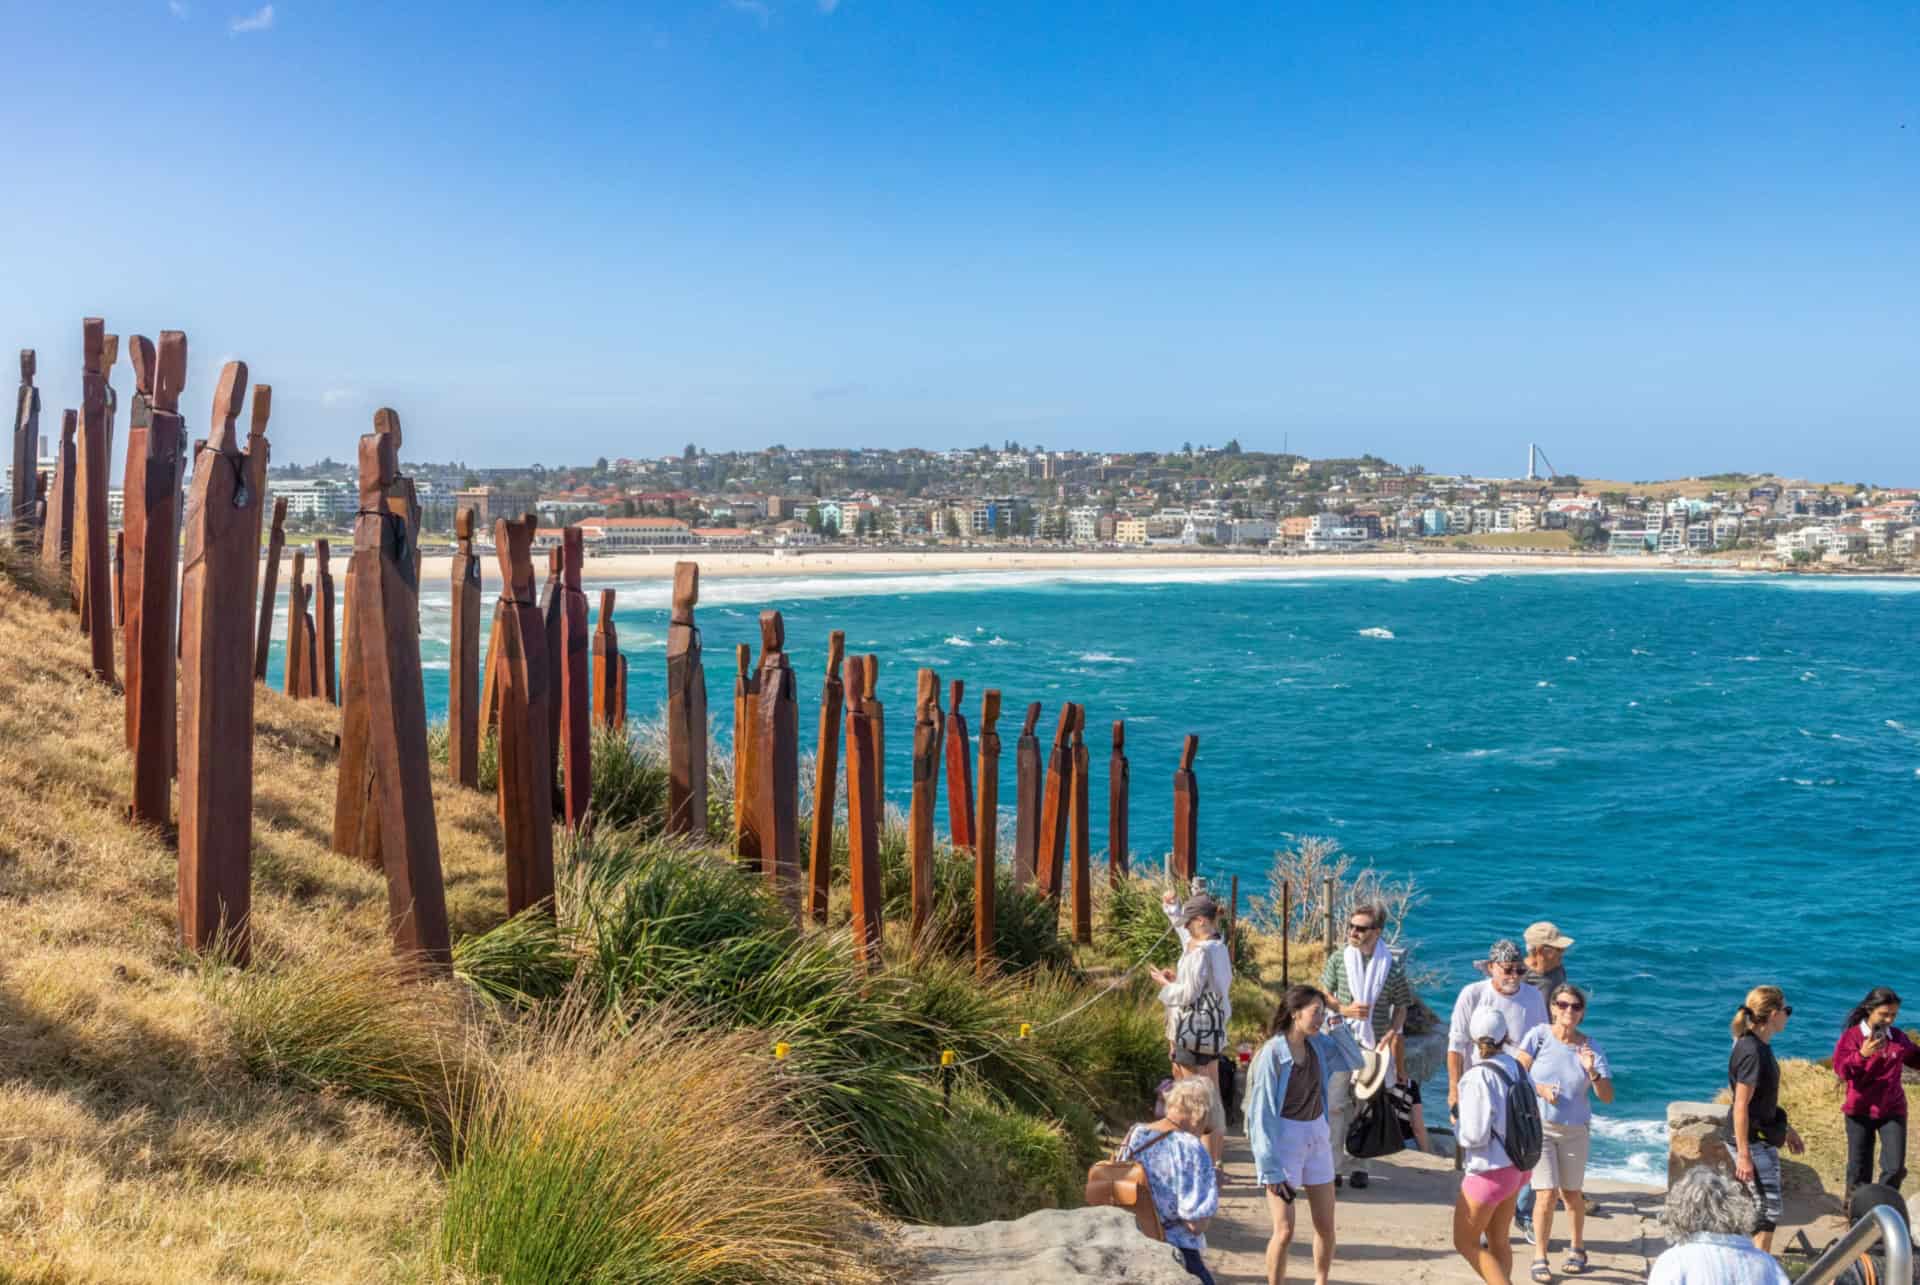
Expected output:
(1199, 983)
(1492, 1184)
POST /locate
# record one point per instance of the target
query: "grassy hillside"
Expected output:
(594, 1095)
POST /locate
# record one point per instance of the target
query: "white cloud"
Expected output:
(334, 397)
(759, 10)
(260, 19)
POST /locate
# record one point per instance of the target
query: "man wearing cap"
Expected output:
(1505, 991)
(1204, 970)
(1547, 950)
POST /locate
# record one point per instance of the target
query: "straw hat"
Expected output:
(1372, 1075)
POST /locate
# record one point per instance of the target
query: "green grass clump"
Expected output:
(519, 963)
(1005, 1164)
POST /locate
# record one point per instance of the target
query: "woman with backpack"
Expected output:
(1499, 1136)
(1180, 1174)
(1568, 1069)
(1287, 1128)
(1195, 993)
(1870, 1059)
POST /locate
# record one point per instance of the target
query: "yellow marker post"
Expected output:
(1026, 1029)
(780, 1051)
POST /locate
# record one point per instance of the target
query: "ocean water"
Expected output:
(1709, 781)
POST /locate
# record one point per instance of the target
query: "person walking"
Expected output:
(1180, 1174)
(1567, 1066)
(1706, 1220)
(1870, 1059)
(1288, 1090)
(1760, 1125)
(1196, 993)
(1371, 993)
(1505, 992)
(1483, 1212)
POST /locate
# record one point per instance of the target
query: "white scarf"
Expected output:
(1367, 977)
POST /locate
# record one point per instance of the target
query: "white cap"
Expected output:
(1487, 1024)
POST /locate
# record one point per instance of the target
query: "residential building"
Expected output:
(489, 503)
(641, 533)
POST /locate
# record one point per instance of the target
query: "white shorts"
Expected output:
(1306, 1152)
(1563, 1158)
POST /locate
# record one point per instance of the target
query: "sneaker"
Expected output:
(1359, 1179)
(1526, 1229)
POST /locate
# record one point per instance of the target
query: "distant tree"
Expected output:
(1308, 506)
(1186, 448)
(830, 529)
(813, 520)
(1002, 524)
(600, 465)
(1023, 523)
(1232, 447)
(951, 527)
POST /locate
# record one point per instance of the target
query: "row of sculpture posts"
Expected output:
(548, 682)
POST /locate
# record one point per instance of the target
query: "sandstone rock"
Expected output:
(1051, 1247)
(1698, 1133)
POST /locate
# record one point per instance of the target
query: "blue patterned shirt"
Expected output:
(1180, 1175)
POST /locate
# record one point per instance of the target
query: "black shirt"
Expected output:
(1753, 1063)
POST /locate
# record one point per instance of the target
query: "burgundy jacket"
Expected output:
(1873, 1083)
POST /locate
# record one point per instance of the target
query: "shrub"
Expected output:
(520, 962)
(1005, 1164)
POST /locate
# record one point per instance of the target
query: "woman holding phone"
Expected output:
(1869, 1058)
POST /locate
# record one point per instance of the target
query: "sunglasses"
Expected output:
(1787, 1009)
(1360, 930)
(1511, 970)
(1568, 1005)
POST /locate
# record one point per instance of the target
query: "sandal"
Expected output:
(1576, 1262)
(1541, 1272)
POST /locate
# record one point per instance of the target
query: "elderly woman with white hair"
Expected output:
(1708, 1219)
(1180, 1173)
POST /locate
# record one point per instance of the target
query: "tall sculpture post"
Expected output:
(926, 770)
(258, 454)
(328, 685)
(777, 763)
(151, 512)
(575, 660)
(1186, 814)
(1055, 804)
(119, 582)
(609, 705)
(298, 665)
(863, 815)
(56, 533)
(526, 782)
(986, 831)
(553, 615)
(270, 587)
(959, 772)
(90, 503)
(463, 658)
(216, 679)
(1081, 838)
(25, 449)
(686, 710)
(1027, 797)
(746, 717)
(387, 776)
(826, 775)
(1119, 859)
(878, 713)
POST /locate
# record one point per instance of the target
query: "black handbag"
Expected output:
(1375, 1131)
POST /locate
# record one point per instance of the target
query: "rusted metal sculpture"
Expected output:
(26, 449)
(575, 661)
(216, 680)
(56, 534)
(776, 761)
(1186, 814)
(463, 658)
(620, 689)
(1080, 837)
(270, 587)
(90, 501)
(959, 772)
(151, 512)
(686, 709)
(1027, 783)
(609, 707)
(526, 782)
(384, 809)
(1055, 805)
(1119, 858)
(258, 454)
(39, 508)
(926, 772)
(863, 814)
(746, 717)
(294, 680)
(879, 714)
(986, 829)
(119, 582)
(826, 776)
(327, 686)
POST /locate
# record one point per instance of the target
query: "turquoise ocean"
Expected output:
(1709, 781)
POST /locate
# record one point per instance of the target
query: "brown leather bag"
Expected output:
(1122, 1182)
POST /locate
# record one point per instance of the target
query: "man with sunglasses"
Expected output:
(1505, 989)
(1372, 993)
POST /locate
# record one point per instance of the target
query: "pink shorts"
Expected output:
(1492, 1186)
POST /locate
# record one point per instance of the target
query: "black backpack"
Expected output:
(1525, 1137)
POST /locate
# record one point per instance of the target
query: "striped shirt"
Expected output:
(1396, 994)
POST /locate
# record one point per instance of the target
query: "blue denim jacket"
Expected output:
(1267, 1091)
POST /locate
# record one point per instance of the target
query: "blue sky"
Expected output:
(1655, 238)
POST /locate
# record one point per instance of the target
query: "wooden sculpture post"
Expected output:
(258, 454)
(746, 717)
(26, 449)
(609, 707)
(1056, 802)
(90, 502)
(619, 688)
(1080, 837)
(686, 709)
(1027, 781)
(1186, 814)
(294, 681)
(463, 658)
(56, 533)
(863, 815)
(1119, 859)
(391, 785)
(270, 586)
(926, 771)
(959, 772)
(576, 681)
(526, 783)
(328, 685)
(216, 679)
(878, 713)
(553, 619)
(151, 490)
(119, 582)
(826, 776)
(777, 763)
(39, 510)
(986, 830)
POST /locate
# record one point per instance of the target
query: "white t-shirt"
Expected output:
(1524, 1010)
(1202, 968)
